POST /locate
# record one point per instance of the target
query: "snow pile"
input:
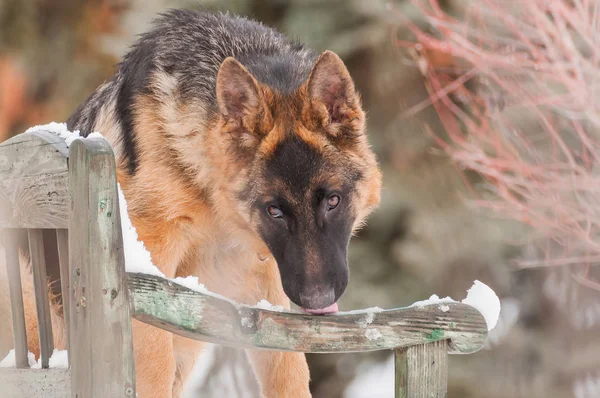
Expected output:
(10, 361)
(366, 310)
(480, 296)
(484, 299)
(373, 334)
(58, 359)
(364, 322)
(191, 282)
(434, 299)
(137, 257)
(265, 305)
(60, 129)
(367, 320)
(247, 322)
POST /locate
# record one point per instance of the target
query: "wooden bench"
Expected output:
(46, 186)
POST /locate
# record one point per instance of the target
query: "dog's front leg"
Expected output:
(280, 374)
(154, 361)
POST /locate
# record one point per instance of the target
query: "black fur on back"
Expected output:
(191, 45)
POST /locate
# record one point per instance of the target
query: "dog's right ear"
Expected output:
(237, 90)
(241, 104)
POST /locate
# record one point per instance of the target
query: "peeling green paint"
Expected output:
(435, 335)
(162, 305)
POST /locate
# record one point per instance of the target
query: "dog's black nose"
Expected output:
(317, 297)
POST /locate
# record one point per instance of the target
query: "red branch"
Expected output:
(516, 85)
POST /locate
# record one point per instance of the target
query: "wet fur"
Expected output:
(196, 168)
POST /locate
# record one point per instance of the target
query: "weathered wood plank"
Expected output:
(29, 383)
(34, 181)
(62, 238)
(15, 290)
(199, 316)
(422, 370)
(100, 319)
(42, 304)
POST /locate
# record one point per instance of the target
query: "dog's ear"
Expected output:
(240, 102)
(237, 91)
(334, 102)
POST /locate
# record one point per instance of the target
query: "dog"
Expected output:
(244, 161)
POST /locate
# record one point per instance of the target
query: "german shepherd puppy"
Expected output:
(244, 161)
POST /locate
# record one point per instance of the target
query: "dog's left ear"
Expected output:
(334, 102)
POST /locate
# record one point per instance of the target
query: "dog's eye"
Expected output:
(332, 202)
(274, 212)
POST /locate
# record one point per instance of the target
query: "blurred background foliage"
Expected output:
(422, 240)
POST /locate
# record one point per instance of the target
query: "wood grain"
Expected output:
(42, 303)
(11, 248)
(422, 370)
(199, 316)
(34, 181)
(62, 238)
(29, 383)
(100, 337)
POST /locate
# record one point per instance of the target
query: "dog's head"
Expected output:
(300, 172)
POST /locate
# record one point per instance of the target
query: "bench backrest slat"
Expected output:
(42, 304)
(203, 316)
(12, 242)
(62, 238)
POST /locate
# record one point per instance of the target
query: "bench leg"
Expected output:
(422, 370)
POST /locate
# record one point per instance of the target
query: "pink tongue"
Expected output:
(327, 310)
